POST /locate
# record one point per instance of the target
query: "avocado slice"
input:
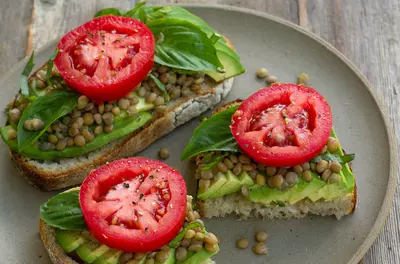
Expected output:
(171, 258)
(199, 257)
(266, 195)
(110, 257)
(219, 180)
(136, 261)
(69, 240)
(231, 186)
(90, 251)
(303, 189)
(245, 178)
(229, 59)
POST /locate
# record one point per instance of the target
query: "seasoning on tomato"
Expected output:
(282, 125)
(106, 57)
(135, 204)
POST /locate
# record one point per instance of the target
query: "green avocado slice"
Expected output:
(110, 257)
(231, 186)
(171, 257)
(90, 251)
(69, 240)
(219, 180)
(199, 257)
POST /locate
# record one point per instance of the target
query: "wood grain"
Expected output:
(15, 17)
(366, 31)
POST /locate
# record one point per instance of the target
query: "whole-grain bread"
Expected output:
(51, 175)
(244, 208)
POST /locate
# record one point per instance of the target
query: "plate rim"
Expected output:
(393, 148)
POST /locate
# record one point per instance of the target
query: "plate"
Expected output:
(285, 50)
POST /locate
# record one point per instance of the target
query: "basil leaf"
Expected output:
(47, 108)
(121, 127)
(108, 11)
(316, 159)
(25, 73)
(134, 13)
(214, 162)
(160, 86)
(185, 46)
(342, 159)
(174, 242)
(212, 134)
(50, 66)
(63, 211)
(280, 203)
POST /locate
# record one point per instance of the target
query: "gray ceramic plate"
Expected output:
(286, 50)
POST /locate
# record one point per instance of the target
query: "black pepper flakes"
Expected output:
(151, 176)
(126, 185)
(146, 229)
(141, 196)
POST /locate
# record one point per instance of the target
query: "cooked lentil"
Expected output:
(271, 79)
(335, 166)
(260, 248)
(11, 134)
(261, 236)
(334, 178)
(326, 174)
(322, 166)
(243, 243)
(307, 176)
(163, 153)
(262, 73)
(333, 144)
(260, 179)
(277, 180)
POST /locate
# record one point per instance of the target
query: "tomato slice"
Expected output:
(135, 204)
(282, 125)
(106, 57)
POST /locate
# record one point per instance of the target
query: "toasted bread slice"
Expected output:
(68, 172)
(244, 208)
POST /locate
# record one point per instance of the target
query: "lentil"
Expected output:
(204, 184)
(108, 118)
(298, 169)
(334, 178)
(271, 171)
(151, 97)
(307, 176)
(139, 255)
(52, 139)
(124, 103)
(59, 135)
(87, 135)
(142, 91)
(116, 111)
(335, 166)
(181, 80)
(70, 142)
(181, 254)
(305, 166)
(260, 179)
(88, 119)
(11, 134)
(282, 171)
(222, 167)
(164, 77)
(211, 239)
(189, 81)
(190, 216)
(185, 92)
(291, 178)
(125, 257)
(302, 78)
(260, 249)
(172, 78)
(228, 163)
(134, 100)
(149, 261)
(322, 166)
(271, 79)
(97, 118)
(333, 144)
(73, 131)
(101, 109)
(189, 234)
(162, 69)
(83, 101)
(261, 167)
(206, 174)
(175, 93)
(277, 180)
(62, 144)
(242, 243)
(79, 140)
(195, 247)
(40, 84)
(261, 236)
(237, 169)
(325, 175)
(199, 236)
(15, 115)
(162, 256)
(245, 190)
(163, 153)
(313, 166)
(269, 182)
(159, 101)
(262, 73)
(211, 247)
(244, 159)
(89, 107)
(161, 109)
(248, 167)
(185, 242)
(132, 110)
(79, 121)
(234, 158)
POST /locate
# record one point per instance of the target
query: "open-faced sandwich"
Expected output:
(130, 211)
(273, 155)
(113, 86)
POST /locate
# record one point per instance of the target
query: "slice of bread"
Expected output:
(54, 175)
(244, 208)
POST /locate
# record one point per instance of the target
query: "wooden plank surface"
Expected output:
(366, 31)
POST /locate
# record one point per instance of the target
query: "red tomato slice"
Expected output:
(135, 204)
(282, 125)
(106, 57)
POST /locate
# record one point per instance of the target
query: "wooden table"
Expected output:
(366, 31)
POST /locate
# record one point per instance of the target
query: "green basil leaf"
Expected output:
(121, 127)
(214, 162)
(316, 159)
(280, 203)
(174, 242)
(63, 211)
(50, 66)
(212, 135)
(108, 11)
(341, 159)
(184, 46)
(25, 73)
(47, 108)
(134, 13)
(160, 86)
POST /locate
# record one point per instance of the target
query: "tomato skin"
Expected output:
(95, 208)
(92, 47)
(309, 142)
